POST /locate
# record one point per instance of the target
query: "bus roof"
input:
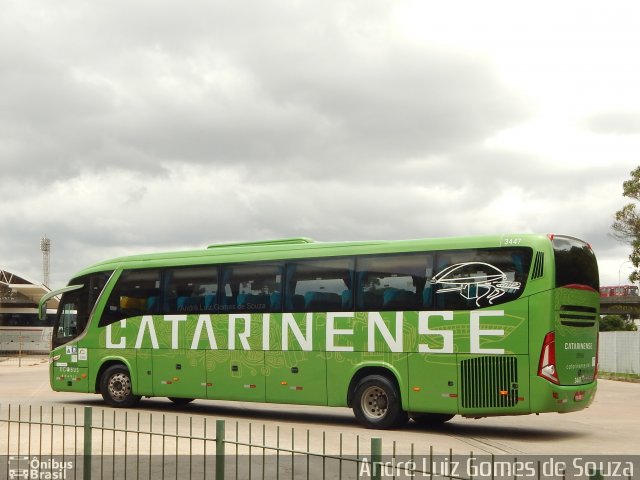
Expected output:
(302, 247)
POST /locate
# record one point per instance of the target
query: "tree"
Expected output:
(611, 323)
(627, 225)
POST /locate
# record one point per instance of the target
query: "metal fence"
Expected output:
(54, 442)
(18, 339)
(20, 344)
(22, 359)
(69, 443)
(619, 352)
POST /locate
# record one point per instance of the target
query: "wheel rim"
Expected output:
(374, 402)
(119, 386)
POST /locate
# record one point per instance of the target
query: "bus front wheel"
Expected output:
(116, 387)
(376, 403)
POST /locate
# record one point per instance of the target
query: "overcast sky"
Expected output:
(144, 126)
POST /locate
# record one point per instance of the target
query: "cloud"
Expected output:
(292, 87)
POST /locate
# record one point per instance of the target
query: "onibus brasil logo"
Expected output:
(38, 468)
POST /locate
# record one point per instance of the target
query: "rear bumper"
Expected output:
(547, 397)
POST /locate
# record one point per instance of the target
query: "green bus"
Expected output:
(422, 329)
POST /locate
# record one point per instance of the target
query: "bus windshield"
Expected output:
(76, 306)
(575, 263)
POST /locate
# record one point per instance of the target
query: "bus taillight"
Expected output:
(547, 365)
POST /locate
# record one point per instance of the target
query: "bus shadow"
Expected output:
(233, 411)
(335, 417)
(522, 433)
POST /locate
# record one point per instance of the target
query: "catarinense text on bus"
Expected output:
(338, 332)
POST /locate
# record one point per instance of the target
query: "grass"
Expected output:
(622, 377)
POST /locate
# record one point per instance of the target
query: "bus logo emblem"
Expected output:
(475, 280)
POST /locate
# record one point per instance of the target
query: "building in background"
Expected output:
(20, 328)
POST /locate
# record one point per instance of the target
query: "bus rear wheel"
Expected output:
(116, 387)
(376, 403)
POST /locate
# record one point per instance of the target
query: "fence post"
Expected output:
(86, 466)
(376, 458)
(595, 475)
(220, 450)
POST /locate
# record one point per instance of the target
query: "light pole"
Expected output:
(45, 247)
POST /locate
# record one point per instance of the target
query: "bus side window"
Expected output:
(136, 293)
(324, 285)
(191, 289)
(391, 282)
(470, 279)
(252, 288)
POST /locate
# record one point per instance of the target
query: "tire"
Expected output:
(376, 403)
(116, 387)
(180, 400)
(432, 419)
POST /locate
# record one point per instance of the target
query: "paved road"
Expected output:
(610, 426)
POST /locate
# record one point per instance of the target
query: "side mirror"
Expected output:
(42, 304)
